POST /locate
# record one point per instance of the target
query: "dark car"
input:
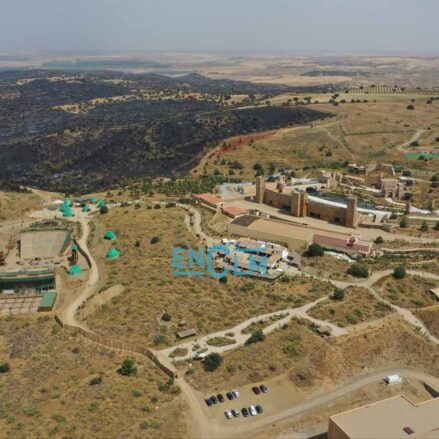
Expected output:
(208, 401)
(245, 412)
(259, 409)
(256, 390)
(220, 397)
(230, 396)
(214, 399)
(264, 388)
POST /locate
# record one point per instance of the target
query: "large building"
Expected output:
(392, 418)
(298, 237)
(300, 204)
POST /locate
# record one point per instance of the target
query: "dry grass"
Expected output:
(410, 292)
(430, 318)
(310, 361)
(151, 289)
(14, 205)
(358, 306)
(47, 391)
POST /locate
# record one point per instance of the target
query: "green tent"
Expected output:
(68, 202)
(67, 212)
(109, 234)
(113, 253)
(86, 208)
(93, 200)
(75, 270)
(64, 206)
(101, 204)
(74, 248)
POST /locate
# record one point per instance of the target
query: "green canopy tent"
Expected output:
(67, 212)
(86, 208)
(93, 200)
(101, 204)
(75, 270)
(68, 202)
(113, 253)
(74, 248)
(109, 234)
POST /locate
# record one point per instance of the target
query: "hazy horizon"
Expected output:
(315, 28)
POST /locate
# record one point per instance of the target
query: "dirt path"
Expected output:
(283, 316)
(416, 136)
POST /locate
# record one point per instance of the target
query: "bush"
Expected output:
(157, 206)
(255, 337)
(358, 270)
(338, 294)
(379, 240)
(103, 210)
(314, 250)
(404, 223)
(436, 226)
(128, 368)
(95, 381)
(223, 280)
(4, 368)
(166, 317)
(212, 362)
(155, 240)
(170, 204)
(424, 226)
(399, 272)
(137, 243)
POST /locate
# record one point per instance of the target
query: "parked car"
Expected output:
(245, 412)
(208, 401)
(228, 414)
(259, 409)
(236, 394)
(214, 399)
(220, 397)
(256, 390)
(264, 388)
(236, 413)
(252, 410)
(230, 396)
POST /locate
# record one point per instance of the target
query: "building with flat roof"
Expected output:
(210, 200)
(392, 418)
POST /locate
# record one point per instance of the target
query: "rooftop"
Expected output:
(390, 419)
(209, 198)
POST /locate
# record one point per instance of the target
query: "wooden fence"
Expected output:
(117, 345)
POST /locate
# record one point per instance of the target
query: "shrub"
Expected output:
(338, 294)
(155, 240)
(4, 368)
(128, 368)
(436, 226)
(170, 204)
(212, 362)
(223, 280)
(95, 381)
(166, 317)
(103, 210)
(379, 240)
(404, 223)
(314, 250)
(424, 226)
(157, 206)
(255, 337)
(137, 243)
(358, 270)
(399, 272)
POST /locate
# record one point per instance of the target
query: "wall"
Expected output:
(335, 432)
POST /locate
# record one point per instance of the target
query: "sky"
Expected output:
(253, 26)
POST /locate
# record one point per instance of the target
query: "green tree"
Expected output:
(212, 361)
(128, 367)
(155, 240)
(338, 294)
(95, 381)
(314, 250)
(399, 272)
(166, 317)
(379, 240)
(358, 270)
(4, 368)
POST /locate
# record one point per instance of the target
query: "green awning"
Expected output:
(48, 300)
(93, 200)
(86, 208)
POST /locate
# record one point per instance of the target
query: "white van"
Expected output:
(393, 379)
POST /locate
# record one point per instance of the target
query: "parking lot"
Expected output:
(280, 394)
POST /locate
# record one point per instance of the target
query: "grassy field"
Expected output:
(410, 292)
(310, 362)
(47, 392)
(358, 305)
(430, 318)
(151, 289)
(359, 132)
(13, 205)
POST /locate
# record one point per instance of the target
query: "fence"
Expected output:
(117, 345)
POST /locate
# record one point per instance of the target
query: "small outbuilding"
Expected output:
(75, 270)
(110, 235)
(47, 302)
(113, 253)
